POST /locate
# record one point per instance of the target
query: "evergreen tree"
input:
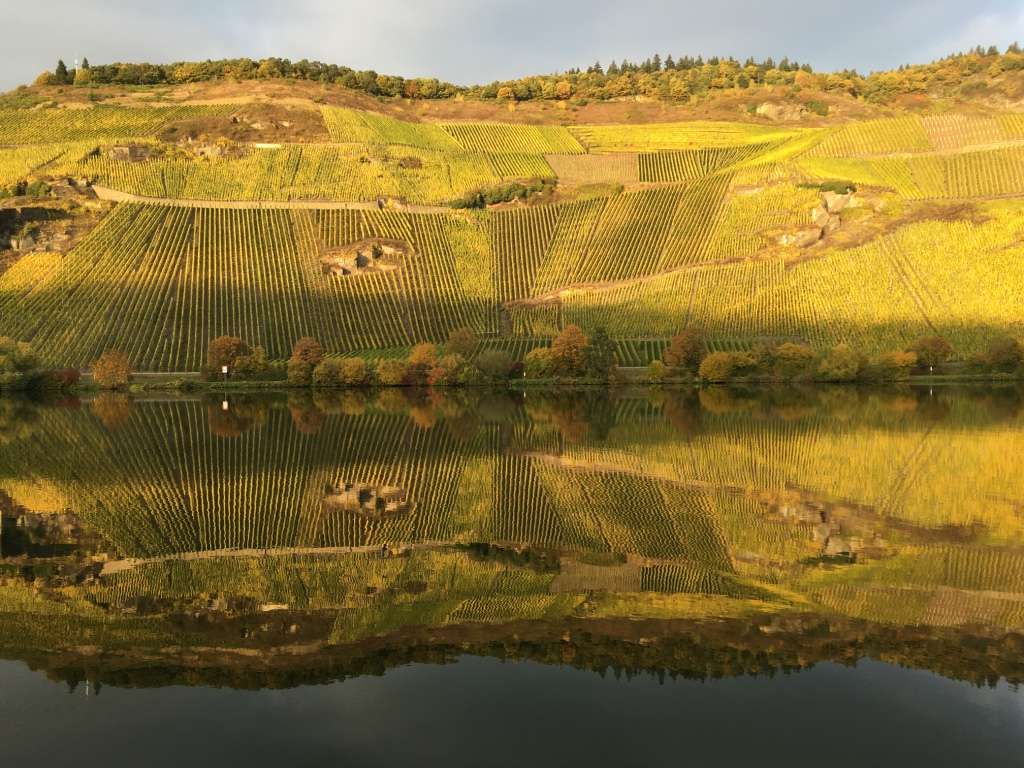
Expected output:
(61, 72)
(613, 68)
(85, 63)
(669, 62)
(1014, 47)
(656, 63)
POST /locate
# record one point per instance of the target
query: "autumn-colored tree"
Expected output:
(225, 350)
(391, 372)
(685, 350)
(567, 351)
(461, 341)
(308, 350)
(112, 370)
(931, 351)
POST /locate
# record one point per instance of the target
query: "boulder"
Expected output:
(819, 216)
(834, 202)
(801, 238)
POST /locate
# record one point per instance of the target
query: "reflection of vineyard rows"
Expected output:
(742, 505)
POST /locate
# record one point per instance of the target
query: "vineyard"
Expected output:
(651, 227)
(315, 172)
(98, 124)
(957, 279)
(675, 136)
(988, 173)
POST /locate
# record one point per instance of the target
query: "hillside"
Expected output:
(752, 213)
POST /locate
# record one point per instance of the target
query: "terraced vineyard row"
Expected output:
(914, 134)
(159, 282)
(18, 162)
(689, 164)
(989, 173)
(98, 123)
(351, 126)
(577, 170)
(675, 136)
(506, 138)
(954, 278)
(316, 172)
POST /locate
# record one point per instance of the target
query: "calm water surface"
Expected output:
(792, 577)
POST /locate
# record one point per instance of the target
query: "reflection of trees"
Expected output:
(306, 417)
(688, 650)
(578, 414)
(113, 409)
(241, 415)
(19, 419)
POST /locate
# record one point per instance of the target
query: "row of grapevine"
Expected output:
(99, 123)
(314, 172)
(504, 138)
(578, 170)
(16, 163)
(676, 136)
(988, 173)
(947, 277)
(159, 282)
(689, 164)
(351, 126)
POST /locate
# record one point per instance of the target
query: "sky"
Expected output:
(478, 41)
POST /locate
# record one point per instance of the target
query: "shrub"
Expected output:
(790, 361)
(817, 107)
(308, 350)
(539, 363)
(16, 356)
(452, 371)
(567, 351)
(112, 370)
(60, 378)
(461, 341)
(656, 371)
(931, 351)
(721, 366)
(225, 350)
(251, 365)
(391, 372)
(327, 374)
(1003, 353)
(353, 372)
(840, 364)
(685, 350)
(495, 364)
(421, 360)
(893, 366)
(300, 373)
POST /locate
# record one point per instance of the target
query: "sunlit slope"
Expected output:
(705, 235)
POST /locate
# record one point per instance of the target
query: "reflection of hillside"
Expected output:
(895, 511)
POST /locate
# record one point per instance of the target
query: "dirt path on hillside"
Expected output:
(116, 196)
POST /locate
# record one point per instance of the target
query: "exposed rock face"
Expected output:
(365, 256)
(834, 202)
(801, 238)
(781, 111)
(374, 502)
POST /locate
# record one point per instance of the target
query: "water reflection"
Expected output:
(283, 539)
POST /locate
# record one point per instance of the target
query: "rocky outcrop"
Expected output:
(365, 256)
